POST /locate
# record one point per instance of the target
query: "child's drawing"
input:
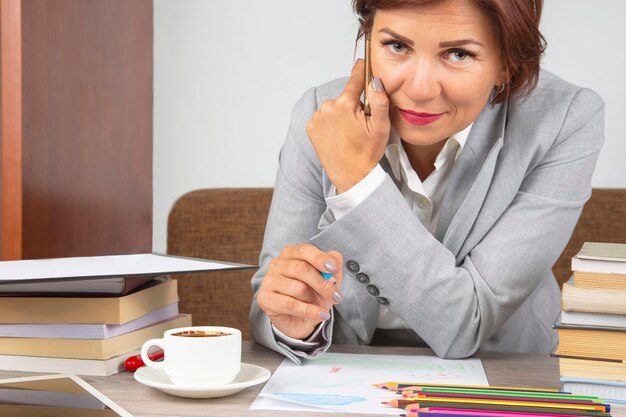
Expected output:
(343, 382)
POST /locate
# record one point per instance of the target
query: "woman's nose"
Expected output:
(422, 82)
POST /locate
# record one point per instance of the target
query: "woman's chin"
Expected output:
(420, 138)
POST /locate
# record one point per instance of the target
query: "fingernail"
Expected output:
(337, 297)
(324, 315)
(377, 85)
(330, 265)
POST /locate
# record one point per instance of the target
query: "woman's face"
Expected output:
(439, 64)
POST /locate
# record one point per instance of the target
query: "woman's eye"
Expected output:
(397, 47)
(459, 55)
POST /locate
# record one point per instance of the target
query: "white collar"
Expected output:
(399, 161)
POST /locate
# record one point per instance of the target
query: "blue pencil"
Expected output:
(328, 277)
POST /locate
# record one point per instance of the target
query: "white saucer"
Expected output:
(248, 376)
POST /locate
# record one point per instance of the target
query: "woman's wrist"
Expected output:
(350, 179)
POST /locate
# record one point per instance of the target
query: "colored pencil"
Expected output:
(575, 406)
(443, 414)
(494, 413)
(599, 407)
(415, 407)
(480, 413)
(503, 393)
(329, 277)
(393, 386)
(505, 397)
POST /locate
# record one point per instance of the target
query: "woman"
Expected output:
(441, 214)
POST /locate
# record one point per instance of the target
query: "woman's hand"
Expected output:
(293, 293)
(348, 143)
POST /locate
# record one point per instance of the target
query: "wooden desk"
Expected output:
(524, 370)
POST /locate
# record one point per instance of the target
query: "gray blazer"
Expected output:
(484, 280)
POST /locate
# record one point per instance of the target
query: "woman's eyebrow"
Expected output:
(446, 44)
(460, 42)
(401, 38)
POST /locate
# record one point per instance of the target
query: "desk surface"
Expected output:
(523, 370)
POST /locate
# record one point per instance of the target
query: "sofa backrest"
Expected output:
(228, 224)
(225, 224)
(603, 220)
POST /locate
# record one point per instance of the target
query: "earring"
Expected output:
(500, 89)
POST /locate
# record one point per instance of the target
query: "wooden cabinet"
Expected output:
(76, 128)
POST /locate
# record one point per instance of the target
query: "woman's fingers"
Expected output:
(347, 143)
(322, 261)
(338, 274)
(378, 123)
(354, 86)
(280, 304)
(307, 275)
(304, 264)
(294, 294)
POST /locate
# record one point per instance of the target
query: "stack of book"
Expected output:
(86, 327)
(592, 325)
(86, 315)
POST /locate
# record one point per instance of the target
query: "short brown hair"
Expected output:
(517, 27)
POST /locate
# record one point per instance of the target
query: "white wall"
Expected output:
(227, 73)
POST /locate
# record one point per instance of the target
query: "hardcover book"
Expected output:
(88, 348)
(600, 281)
(593, 319)
(592, 300)
(87, 331)
(596, 342)
(609, 258)
(576, 367)
(91, 367)
(613, 392)
(104, 286)
(89, 310)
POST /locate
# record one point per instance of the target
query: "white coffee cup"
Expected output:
(198, 355)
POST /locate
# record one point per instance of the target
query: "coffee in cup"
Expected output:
(198, 356)
(200, 333)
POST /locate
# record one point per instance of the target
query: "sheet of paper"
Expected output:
(105, 266)
(341, 382)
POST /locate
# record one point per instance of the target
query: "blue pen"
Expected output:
(328, 276)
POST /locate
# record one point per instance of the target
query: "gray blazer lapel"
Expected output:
(471, 177)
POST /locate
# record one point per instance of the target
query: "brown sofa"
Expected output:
(227, 224)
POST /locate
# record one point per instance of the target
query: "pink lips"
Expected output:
(420, 118)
